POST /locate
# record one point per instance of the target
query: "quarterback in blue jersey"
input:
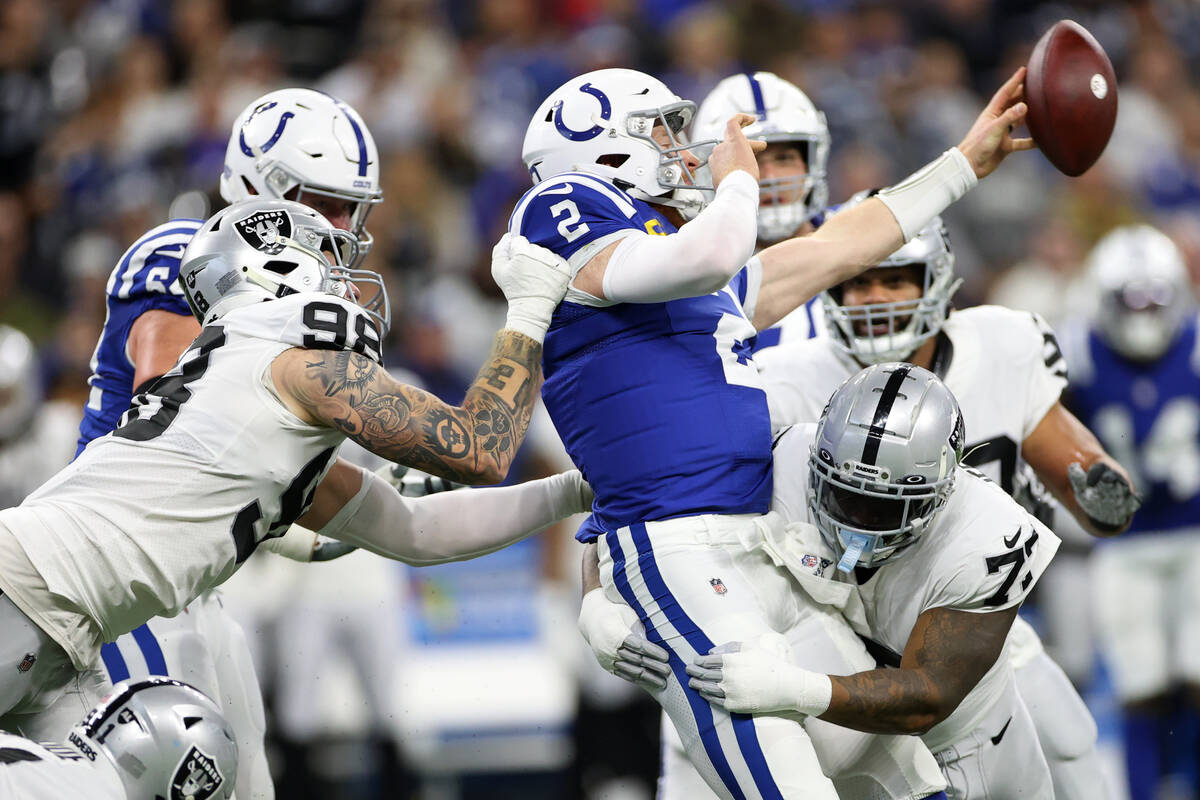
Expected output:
(650, 379)
(1136, 382)
(148, 326)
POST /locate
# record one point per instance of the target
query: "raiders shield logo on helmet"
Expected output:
(197, 777)
(263, 230)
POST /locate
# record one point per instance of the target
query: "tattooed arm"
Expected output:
(472, 443)
(947, 653)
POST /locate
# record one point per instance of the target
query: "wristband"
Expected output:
(813, 691)
(929, 191)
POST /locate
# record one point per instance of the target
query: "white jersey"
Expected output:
(982, 553)
(1003, 366)
(31, 771)
(204, 466)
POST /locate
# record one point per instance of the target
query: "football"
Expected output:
(1071, 91)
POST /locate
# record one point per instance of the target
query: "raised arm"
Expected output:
(860, 237)
(947, 653)
(706, 252)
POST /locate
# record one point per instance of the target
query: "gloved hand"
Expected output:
(616, 637)
(329, 549)
(412, 482)
(758, 677)
(1104, 494)
(533, 280)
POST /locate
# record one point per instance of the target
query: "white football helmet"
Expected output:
(20, 385)
(909, 323)
(883, 463)
(1144, 290)
(165, 739)
(263, 249)
(294, 141)
(600, 123)
(785, 114)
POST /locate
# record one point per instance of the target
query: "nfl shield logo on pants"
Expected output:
(717, 585)
(26, 663)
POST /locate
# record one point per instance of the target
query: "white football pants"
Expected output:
(205, 647)
(698, 582)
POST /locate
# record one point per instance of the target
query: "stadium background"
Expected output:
(470, 681)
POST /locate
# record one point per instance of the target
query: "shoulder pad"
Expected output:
(151, 265)
(571, 210)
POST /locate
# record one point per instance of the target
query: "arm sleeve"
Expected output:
(454, 526)
(297, 544)
(701, 258)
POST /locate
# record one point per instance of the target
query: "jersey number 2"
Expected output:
(571, 210)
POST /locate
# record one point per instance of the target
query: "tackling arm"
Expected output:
(472, 443)
(947, 653)
(358, 507)
(1089, 482)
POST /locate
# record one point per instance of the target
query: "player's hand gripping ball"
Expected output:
(1072, 95)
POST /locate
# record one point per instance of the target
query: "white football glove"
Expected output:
(412, 482)
(758, 677)
(533, 280)
(1103, 494)
(616, 637)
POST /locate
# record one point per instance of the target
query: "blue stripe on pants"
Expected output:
(743, 724)
(700, 707)
(114, 662)
(155, 663)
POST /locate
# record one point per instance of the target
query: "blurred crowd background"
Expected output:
(470, 682)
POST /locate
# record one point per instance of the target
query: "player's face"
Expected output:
(337, 210)
(779, 162)
(663, 139)
(882, 285)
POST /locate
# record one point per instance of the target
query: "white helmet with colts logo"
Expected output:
(294, 142)
(601, 123)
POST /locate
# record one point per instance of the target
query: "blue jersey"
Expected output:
(658, 404)
(144, 279)
(1148, 417)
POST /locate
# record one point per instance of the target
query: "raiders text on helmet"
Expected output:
(883, 462)
(166, 740)
(262, 249)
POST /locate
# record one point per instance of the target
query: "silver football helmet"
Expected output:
(903, 326)
(20, 388)
(300, 141)
(601, 123)
(784, 114)
(1144, 290)
(167, 741)
(883, 462)
(262, 249)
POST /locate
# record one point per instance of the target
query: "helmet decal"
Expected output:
(198, 777)
(887, 398)
(283, 121)
(595, 130)
(264, 230)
